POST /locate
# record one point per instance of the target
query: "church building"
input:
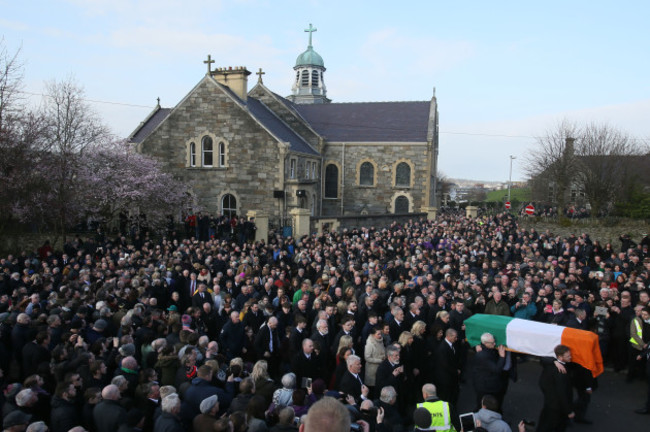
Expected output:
(244, 149)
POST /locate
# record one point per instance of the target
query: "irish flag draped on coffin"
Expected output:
(535, 338)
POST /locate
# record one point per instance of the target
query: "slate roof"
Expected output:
(149, 125)
(280, 129)
(368, 121)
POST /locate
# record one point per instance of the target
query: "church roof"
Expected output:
(149, 125)
(310, 58)
(277, 127)
(369, 121)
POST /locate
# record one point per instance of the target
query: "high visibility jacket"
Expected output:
(636, 331)
(440, 415)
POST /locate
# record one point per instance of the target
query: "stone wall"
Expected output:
(380, 197)
(253, 155)
(358, 221)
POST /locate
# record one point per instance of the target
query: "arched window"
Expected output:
(305, 78)
(331, 181)
(297, 76)
(229, 205)
(401, 204)
(366, 174)
(207, 151)
(222, 154)
(403, 175)
(192, 154)
(314, 78)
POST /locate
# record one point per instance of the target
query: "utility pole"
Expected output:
(510, 178)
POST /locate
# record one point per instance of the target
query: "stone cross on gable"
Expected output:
(259, 74)
(310, 30)
(209, 62)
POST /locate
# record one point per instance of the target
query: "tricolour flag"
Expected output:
(531, 337)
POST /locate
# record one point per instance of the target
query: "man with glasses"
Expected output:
(487, 371)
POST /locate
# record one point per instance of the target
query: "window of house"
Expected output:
(403, 175)
(298, 76)
(331, 181)
(229, 205)
(207, 151)
(313, 170)
(192, 154)
(222, 154)
(305, 78)
(366, 174)
(314, 78)
(292, 168)
(401, 204)
(307, 166)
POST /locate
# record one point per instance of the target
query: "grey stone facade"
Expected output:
(273, 146)
(253, 156)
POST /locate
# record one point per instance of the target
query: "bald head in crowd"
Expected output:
(328, 414)
(111, 392)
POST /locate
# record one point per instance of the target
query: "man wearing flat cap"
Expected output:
(15, 421)
(205, 421)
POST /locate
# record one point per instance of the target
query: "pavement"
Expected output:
(611, 409)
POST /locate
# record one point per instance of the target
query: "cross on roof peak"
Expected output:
(310, 30)
(209, 62)
(259, 75)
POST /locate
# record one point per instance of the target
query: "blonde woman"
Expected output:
(419, 351)
(264, 385)
(374, 353)
(346, 341)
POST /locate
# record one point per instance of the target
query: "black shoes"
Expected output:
(642, 411)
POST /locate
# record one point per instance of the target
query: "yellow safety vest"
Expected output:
(639, 331)
(440, 416)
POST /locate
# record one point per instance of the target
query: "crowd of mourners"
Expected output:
(218, 333)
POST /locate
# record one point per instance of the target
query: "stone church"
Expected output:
(243, 150)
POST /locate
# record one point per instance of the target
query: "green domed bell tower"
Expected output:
(308, 84)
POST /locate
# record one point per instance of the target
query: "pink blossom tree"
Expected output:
(115, 179)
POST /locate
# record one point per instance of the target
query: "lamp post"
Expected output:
(510, 178)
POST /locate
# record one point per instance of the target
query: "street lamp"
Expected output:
(510, 178)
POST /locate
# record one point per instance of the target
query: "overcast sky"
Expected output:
(504, 72)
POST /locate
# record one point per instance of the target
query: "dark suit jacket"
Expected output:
(396, 330)
(558, 393)
(197, 301)
(487, 371)
(350, 385)
(447, 365)
(305, 367)
(385, 377)
(325, 357)
(262, 342)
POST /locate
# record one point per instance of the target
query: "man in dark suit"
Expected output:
(267, 345)
(201, 296)
(389, 371)
(558, 393)
(351, 383)
(487, 370)
(396, 324)
(322, 345)
(347, 325)
(447, 370)
(305, 364)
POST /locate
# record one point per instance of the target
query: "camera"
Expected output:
(356, 427)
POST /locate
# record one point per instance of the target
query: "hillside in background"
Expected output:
(516, 194)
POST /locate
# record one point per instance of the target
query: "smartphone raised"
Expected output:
(467, 422)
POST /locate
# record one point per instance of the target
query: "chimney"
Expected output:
(235, 78)
(569, 147)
